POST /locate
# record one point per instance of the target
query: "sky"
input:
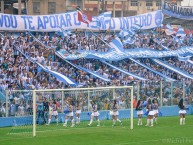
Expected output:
(187, 3)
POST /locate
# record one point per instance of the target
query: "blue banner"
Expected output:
(173, 68)
(124, 71)
(156, 72)
(59, 76)
(83, 69)
(112, 55)
(177, 11)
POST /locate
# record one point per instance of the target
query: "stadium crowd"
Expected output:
(18, 73)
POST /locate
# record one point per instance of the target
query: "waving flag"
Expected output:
(135, 27)
(123, 33)
(37, 40)
(84, 17)
(65, 32)
(129, 40)
(83, 69)
(59, 76)
(106, 17)
(103, 19)
(181, 32)
(184, 58)
(117, 45)
(169, 30)
(131, 31)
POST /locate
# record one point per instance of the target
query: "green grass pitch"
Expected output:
(166, 132)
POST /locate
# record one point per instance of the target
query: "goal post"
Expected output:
(131, 108)
(34, 113)
(88, 90)
(32, 121)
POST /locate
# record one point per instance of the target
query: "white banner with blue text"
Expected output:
(70, 21)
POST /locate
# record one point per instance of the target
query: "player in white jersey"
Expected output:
(95, 113)
(69, 112)
(78, 112)
(150, 113)
(53, 111)
(182, 112)
(115, 113)
(155, 109)
(139, 109)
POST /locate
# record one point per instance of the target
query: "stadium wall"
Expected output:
(123, 114)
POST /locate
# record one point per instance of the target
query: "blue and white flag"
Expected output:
(117, 45)
(173, 68)
(151, 69)
(176, 39)
(106, 16)
(83, 69)
(123, 33)
(102, 19)
(37, 40)
(184, 58)
(129, 40)
(169, 30)
(131, 32)
(135, 28)
(65, 32)
(181, 32)
(59, 76)
(124, 71)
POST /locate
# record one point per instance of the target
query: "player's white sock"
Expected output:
(91, 120)
(57, 121)
(66, 120)
(98, 122)
(139, 121)
(72, 121)
(181, 120)
(49, 120)
(76, 119)
(155, 119)
(114, 121)
(148, 121)
(151, 120)
(118, 120)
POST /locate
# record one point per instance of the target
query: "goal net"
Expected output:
(62, 109)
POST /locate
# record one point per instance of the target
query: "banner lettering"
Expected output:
(70, 21)
(178, 11)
